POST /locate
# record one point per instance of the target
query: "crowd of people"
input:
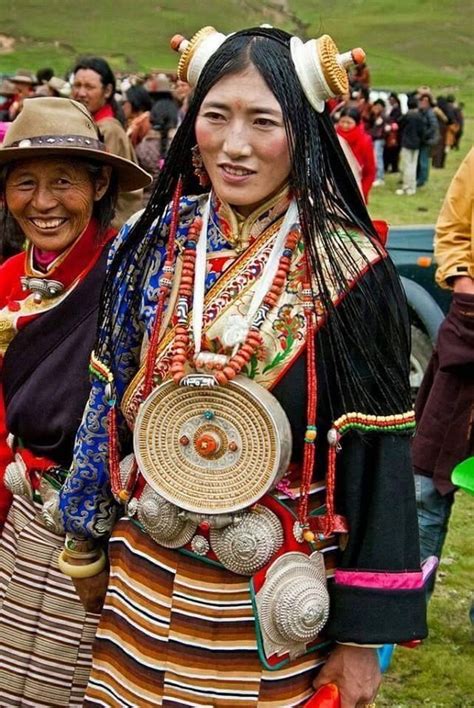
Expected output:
(404, 140)
(206, 489)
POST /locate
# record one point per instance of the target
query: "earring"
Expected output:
(199, 169)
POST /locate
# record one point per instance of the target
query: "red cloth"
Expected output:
(363, 149)
(103, 113)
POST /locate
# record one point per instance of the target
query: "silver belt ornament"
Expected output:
(293, 604)
(243, 542)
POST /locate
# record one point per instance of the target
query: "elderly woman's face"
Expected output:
(52, 200)
(242, 140)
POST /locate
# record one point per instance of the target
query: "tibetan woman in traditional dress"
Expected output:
(250, 409)
(60, 187)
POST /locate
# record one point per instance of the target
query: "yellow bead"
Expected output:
(310, 435)
(123, 495)
(308, 536)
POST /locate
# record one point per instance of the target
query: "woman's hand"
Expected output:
(92, 590)
(356, 673)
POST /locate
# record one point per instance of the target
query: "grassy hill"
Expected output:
(409, 42)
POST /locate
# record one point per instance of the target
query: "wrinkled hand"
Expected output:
(355, 671)
(92, 591)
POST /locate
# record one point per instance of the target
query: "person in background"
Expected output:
(182, 94)
(7, 97)
(378, 128)
(359, 76)
(136, 107)
(43, 76)
(58, 88)
(412, 128)
(392, 147)
(453, 125)
(430, 138)
(445, 403)
(164, 109)
(459, 113)
(94, 87)
(24, 82)
(349, 127)
(441, 112)
(360, 99)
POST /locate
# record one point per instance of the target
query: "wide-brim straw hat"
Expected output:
(52, 127)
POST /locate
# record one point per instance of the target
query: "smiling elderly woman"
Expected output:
(61, 191)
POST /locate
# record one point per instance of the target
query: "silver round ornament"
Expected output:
(200, 545)
(215, 465)
(162, 520)
(293, 603)
(248, 545)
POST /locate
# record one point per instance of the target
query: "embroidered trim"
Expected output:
(375, 580)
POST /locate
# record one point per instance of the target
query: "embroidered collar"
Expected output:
(240, 231)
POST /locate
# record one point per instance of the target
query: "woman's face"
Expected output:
(89, 90)
(242, 140)
(52, 200)
(346, 123)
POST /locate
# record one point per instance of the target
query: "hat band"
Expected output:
(59, 141)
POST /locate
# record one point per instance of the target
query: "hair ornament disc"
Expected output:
(195, 52)
(321, 69)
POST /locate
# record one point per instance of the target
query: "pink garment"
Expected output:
(43, 259)
(3, 130)
(376, 580)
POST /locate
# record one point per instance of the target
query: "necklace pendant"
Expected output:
(236, 331)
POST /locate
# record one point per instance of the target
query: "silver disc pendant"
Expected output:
(247, 546)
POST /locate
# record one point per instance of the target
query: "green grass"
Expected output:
(440, 673)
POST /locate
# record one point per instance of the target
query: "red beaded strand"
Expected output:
(309, 454)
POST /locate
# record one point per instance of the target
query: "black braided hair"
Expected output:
(330, 207)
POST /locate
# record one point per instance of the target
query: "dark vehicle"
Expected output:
(411, 248)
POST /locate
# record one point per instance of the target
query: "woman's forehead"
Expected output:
(245, 89)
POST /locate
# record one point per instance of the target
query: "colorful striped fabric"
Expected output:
(45, 635)
(178, 631)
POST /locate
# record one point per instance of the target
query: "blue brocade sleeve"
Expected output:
(86, 502)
